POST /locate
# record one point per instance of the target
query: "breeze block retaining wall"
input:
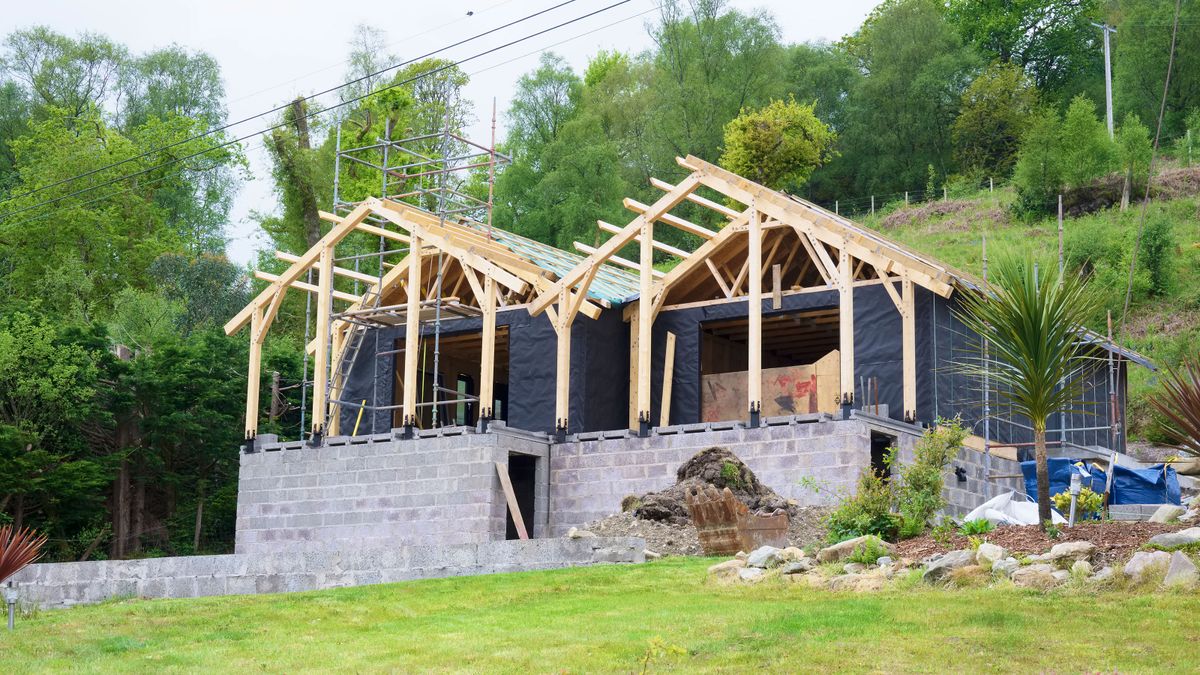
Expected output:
(56, 585)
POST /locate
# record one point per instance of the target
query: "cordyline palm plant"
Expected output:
(1032, 324)
(18, 548)
(1178, 401)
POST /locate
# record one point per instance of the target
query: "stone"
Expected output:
(987, 554)
(845, 549)
(1191, 516)
(1006, 566)
(1061, 576)
(798, 566)
(1104, 575)
(740, 555)
(765, 557)
(940, 567)
(727, 571)
(1144, 563)
(1166, 513)
(751, 574)
(1181, 572)
(576, 533)
(651, 555)
(1069, 552)
(854, 568)
(791, 554)
(1040, 576)
(885, 561)
(1180, 538)
(1082, 568)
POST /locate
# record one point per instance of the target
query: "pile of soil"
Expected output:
(911, 214)
(806, 527)
(714, 466)
(1115, 541)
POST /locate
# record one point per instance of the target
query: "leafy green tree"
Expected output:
(996, 111)
(1133, 150)
(171, 82)
(1032, 324)
(1038, 173)
(60, 72)
(542, 103)
(1142, 50)
(778, 145)
(1085, 148)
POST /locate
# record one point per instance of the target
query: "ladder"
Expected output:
(343, 367)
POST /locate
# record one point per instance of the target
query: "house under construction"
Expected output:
(802, 340)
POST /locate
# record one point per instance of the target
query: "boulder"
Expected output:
(765, 557)
(1035, 576)
(1181, 571)
(939, 567)
(741, 555)
(1144, 563)
(798, 566)
(1060, 576)
(854, 568)
(651, 555)
(1166, 513)
(858, 583)
(884, 561)
(1082, 568)
(1190, 517)
(576, 533)
(751, 574)
(726, 571)
(987, 554)
(791, 554)
(1068, 552)
(1006, 566)
(845, 549)
(1104, 575)
(1180, 538)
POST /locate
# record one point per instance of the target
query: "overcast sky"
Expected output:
(270, 51)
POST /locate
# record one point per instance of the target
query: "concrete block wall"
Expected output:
(57, 585)
(964, 496)
(589, 477)
(372, 491)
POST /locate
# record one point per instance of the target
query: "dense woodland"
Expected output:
(120, 396)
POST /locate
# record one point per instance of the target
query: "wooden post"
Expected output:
(321, 357)
(562, 394)
(754, 340)
(335, 384)
(909, 348)
(514, 508)
(645, 323)
(412, 332)
(487, 362)
(664, 413)
(846, 325)
(633, 368)
(777, 286)
(253, 373)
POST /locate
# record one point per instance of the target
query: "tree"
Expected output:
(1032, 324)
(60, 72)
(1038, 172)
(171, 82)
(1085, 148)
(1143, 46)
(996, 110)
(1134, 151)
(779, 145)
(542, 103)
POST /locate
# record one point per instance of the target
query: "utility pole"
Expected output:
(1108, 30)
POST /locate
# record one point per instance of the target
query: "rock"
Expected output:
(939, 567)
(791, 554)
(1144, 563)
(1082, 568)
(1190, 516)
(845, 549)
(987, 554)
(740, 555)
(651, 555)
(1180, 538)
(1040, 576)
(855, 582)
(1181, 571)
(1061, 576)
(1104, 575)
(885, 561)
(854, 568)
(798, 567)
(1006, 566)
(765, 557)
(726, 571)
(1166, 513)
(1069, 552)
(751, 574)
(576, 533)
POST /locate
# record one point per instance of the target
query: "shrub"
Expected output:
(976, 527)
(1088, 503)
(731, 474)
(919, 483)
(1158, 253)
(868, 553)
(867, 511)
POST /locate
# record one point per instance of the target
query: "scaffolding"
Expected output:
(430, 171)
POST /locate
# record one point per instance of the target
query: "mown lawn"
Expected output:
(605, 619)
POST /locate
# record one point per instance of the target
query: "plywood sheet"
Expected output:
(791, 390)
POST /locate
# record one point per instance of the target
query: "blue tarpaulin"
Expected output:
(1153, 485)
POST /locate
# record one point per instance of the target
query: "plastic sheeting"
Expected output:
(1006, 509)
(1157, 484)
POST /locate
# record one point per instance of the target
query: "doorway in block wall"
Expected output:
(522, 471)
(879, 448)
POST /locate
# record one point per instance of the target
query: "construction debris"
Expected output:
(726, 526)
(715, 466)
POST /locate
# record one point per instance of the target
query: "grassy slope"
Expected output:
(604, 619)
(1163, 328)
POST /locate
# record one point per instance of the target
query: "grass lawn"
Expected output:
(606, 619)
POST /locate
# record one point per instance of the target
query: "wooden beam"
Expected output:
(617, 260)
(260, 334)
(702, 253)
(344, 227)
(253, 374)
(886, 281)
(570, 279)
(562, 389)
(412, 333)
(754, 308)
(909, 348)
(337, 271)
(645, 321)
(846, 327)
(665, 248)
(302, 286)
(664, 411)
(632, 312)
(712, 267)
(514, 509)
(674, 221)
(697, 199)
(487, 360)
(776, 286)
(321, 361)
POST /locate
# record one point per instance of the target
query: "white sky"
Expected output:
(272, 50)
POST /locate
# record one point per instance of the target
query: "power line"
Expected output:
(282, 124)
(286, 105)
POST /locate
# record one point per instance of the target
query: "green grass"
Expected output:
(606, 619)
